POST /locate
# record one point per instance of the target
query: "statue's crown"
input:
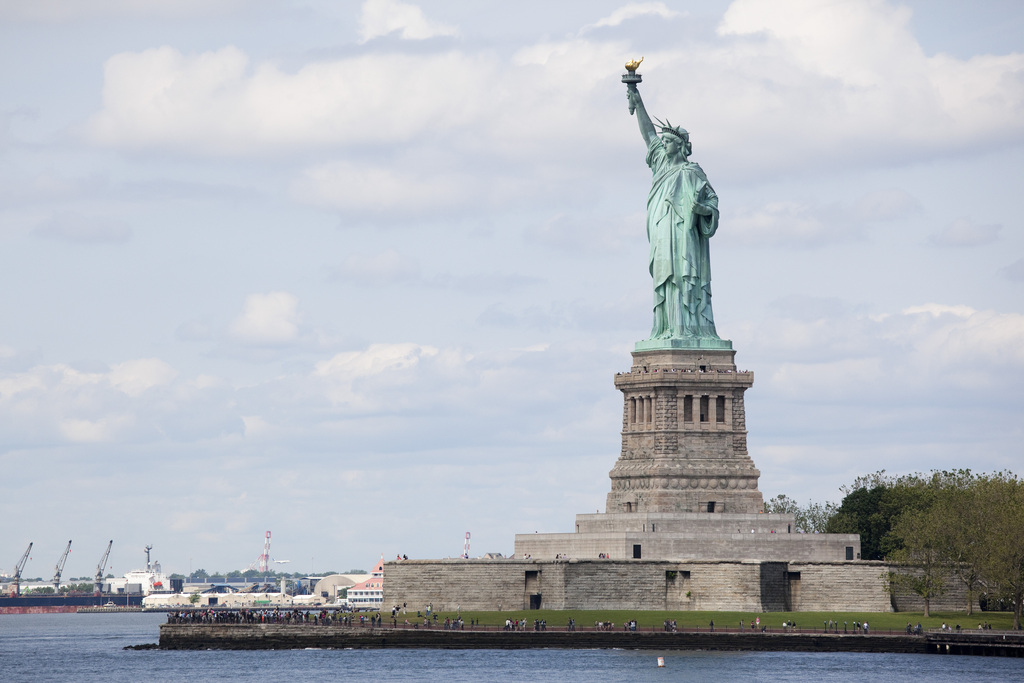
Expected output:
(678, 131)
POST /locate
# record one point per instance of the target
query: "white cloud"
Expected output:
(927, 353)
(937, 310)
(887, 205)
(94, 431)
(790, 85)
(567, 232)
(217, 102)
(383, 190)
(267, 319)
(17, 384)
(374, 360)
(48, 404)
(344, 370)
(386, 267)
(70, 10)
(963, 232)
(136, 376)
(805, 225)
(77, 228)
(632, 11)
(383, 17)
(851, 42)
(849, 79)
(787, 223)
(958, 337)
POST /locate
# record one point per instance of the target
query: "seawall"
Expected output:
(298, 636)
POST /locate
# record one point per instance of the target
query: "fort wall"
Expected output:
(728, 585)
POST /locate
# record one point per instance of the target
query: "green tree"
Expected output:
(1002, 495)
(810, 518)
(859, 514)
(872, 506)
(920, 563)
(965, 522)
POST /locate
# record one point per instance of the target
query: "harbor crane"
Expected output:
(17, 572)
(59, 569)
(97, 587)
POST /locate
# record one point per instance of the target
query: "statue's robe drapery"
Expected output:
(679, 257)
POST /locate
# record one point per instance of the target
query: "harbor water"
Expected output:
(89, 647)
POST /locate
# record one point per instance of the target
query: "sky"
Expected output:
(362, 273)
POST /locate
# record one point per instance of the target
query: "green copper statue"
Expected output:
(682, 215)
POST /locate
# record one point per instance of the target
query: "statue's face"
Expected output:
(673, 146)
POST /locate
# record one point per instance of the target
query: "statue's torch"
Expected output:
(631, 78)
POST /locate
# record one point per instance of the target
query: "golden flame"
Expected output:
(632, 64)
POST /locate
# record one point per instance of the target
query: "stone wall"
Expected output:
(752, 586)
(694, 545)
(449, 584)
(953, 599)
(296, 636)
(838, 586)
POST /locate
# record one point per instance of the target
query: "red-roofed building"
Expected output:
(369, 594)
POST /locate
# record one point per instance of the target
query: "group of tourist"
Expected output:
(538, 625)
(325, 617)
(455, 624)
(644, 371)
(984, 626)
(267, 616)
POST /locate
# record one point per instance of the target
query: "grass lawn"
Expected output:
(878, 621)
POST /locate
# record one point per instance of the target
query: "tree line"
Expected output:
(202, 574)
(933, 530)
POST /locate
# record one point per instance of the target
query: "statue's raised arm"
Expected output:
(636, 104)
(682, 215)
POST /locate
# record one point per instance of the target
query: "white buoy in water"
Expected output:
(661, 662)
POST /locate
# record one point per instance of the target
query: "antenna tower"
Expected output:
(262, 563)
(265, 557)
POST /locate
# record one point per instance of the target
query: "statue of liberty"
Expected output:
(682, 215)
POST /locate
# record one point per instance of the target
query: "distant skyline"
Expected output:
(361, 273)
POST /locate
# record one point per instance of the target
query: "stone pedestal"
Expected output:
(684, 436)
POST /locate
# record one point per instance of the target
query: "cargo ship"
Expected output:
(42, 604)
(113, 593)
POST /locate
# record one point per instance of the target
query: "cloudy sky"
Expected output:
(361, 273)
